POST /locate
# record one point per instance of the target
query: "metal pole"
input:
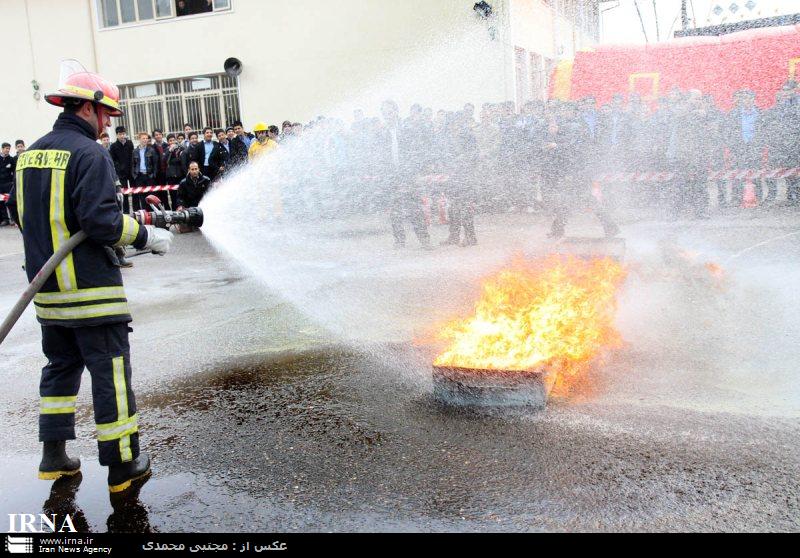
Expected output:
(638, 11)
(655, 14)
(684, 16)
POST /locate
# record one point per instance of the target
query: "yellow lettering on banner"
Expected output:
(43, 159)
(654, 78)
(793, 62)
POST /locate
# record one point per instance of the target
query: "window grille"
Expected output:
(211, 100)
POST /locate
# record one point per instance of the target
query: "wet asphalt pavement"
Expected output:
(259, 420)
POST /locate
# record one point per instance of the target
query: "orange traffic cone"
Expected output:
(426, 210)
(442, 210)
(749, 199)
(597, 191)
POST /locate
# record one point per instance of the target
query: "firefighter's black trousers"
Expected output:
(105, 351)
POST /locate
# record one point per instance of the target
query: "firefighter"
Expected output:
(263, 143)
(65, 184)
(564, 171)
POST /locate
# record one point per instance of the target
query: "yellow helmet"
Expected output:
(260, 127)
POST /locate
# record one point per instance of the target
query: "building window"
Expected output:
(114, 13)
(201, 101)
(192, 7)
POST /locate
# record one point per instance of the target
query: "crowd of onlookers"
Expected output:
(8, 165)
(493, 160)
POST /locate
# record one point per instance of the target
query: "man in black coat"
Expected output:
(697, 149)
(143, 167)
(6, 180)
(781, 124)
(566, 181)
(613, 135)
(175, 169)
(221, 153)
(192, 188)
(745, 139)
(401, 164)
(190, 152)
(240, 144)
(207, 154)
(161, 151)
(121, 152)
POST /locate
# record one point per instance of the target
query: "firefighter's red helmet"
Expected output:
(77, 83)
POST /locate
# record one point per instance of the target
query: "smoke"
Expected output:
(310, 219)
(305, 222)
(705, 331)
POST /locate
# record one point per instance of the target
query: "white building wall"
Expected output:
(302, 58)
(36, 36)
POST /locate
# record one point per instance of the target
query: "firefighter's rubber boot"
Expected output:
(121, 476)
(55, 462)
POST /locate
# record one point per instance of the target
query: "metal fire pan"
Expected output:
(492, 388)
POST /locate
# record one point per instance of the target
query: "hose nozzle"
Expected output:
(192, 216)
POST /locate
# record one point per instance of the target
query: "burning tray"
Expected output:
(585, 247)
(492, 388)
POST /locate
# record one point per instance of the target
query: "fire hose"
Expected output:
(158, 217)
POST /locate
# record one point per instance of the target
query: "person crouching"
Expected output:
(191, 191)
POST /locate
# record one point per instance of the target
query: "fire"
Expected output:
(555, 312)
(715, 270)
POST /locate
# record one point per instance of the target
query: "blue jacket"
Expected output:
(65, 184)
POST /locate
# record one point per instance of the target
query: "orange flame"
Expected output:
(556, 312)
(715, 270)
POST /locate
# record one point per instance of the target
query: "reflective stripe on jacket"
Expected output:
(65, 184)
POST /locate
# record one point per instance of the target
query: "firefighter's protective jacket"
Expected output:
(65, 184)
(258, 149)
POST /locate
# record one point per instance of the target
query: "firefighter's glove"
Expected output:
(158, 240)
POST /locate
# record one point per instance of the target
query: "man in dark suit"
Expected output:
(401, 165)
(7, 165)
(207, 154)
(613, 135)
(240, 144)
(144, 163)
(566, 175)
(121, 152)
(190, 153)
(745, 138)
(221, 154)
(781, 125)
(161, 148)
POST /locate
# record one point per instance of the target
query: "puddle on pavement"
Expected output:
(338, 439)
(87, 500)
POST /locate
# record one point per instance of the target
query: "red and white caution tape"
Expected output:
(147, 189)
(749, 174)
(616, 177)
(433, 178)
(659, 177)
(744, 174)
